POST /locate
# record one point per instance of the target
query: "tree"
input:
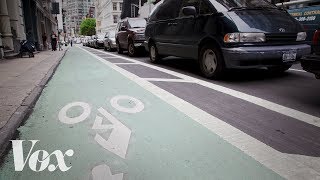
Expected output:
(88, 27)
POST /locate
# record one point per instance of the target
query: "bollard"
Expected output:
(1, 47)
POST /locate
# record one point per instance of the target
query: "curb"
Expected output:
(8, 131)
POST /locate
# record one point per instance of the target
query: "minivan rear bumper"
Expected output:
(264, 56)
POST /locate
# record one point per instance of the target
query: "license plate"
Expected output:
(289, 56)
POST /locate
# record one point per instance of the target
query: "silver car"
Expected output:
(110, 41)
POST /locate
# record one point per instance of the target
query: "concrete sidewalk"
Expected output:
(21, 82)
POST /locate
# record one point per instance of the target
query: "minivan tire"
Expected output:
(279, 69)
(153, 53)
(211, 67)
(132, 51)
(119, 49)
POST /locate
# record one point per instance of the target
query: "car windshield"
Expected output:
(244, 4)
(100, 36)
(137, 23)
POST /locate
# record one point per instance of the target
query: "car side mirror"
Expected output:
(189, 11)
(123, 28)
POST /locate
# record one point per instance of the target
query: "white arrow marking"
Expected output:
(97, 125)
(102, 172)
(119, 138)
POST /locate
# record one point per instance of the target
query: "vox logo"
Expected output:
(38, 160)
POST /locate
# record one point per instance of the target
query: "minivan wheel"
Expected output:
(108, 47)
(119, 49)
(131, 49)
(279, 69)
(211, 62)
(153, 53)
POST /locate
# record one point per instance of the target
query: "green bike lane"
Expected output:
(128, 129)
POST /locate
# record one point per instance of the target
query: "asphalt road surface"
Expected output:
(125, 118)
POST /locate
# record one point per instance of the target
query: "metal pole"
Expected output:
(1, 47)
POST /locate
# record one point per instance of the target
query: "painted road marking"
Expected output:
(296, 114)
(119, 138)
(281, 163)
(124, 63)
(103, 172)
(167, 80)
(138, 105)
(68, 120)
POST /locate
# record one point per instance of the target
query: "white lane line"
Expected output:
(299, 70)
(111, 57)
(296, 114)
(130, 63)
(167, 80)
(281, 163)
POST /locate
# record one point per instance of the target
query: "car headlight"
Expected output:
(244, 37)
(301, 36)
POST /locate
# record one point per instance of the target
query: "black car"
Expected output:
(311, 63)
(130, 35)
(225, 34)
(98, 41)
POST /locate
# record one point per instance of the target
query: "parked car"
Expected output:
(130, 35)
(77, 41)
(91, 41)
(311, 63)
(86, 40)
(110, 41)
(225, 34)
(98, 41)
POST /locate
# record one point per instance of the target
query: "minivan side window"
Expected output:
(201, 6)
(194, 3)
(169, 9)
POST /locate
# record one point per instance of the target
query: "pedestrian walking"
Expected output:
(54, 41)
(44, 40)
(71, 42)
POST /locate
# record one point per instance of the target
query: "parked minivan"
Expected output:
(225, 34)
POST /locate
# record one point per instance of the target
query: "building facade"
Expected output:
(74, 12)
(25, 20)
(12, 28)
(107, 14)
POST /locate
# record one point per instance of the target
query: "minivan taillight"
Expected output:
(316, 38)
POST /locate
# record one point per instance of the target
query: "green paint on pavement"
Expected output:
(164, 143)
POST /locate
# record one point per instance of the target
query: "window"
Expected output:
(168, 10)
(120, 6)
(114, 6)
(115, 18)
(194, 3)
